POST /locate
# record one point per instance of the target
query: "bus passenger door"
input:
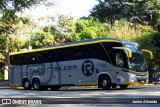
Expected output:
(120, 60)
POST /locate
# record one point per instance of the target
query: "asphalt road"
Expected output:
(82, 96)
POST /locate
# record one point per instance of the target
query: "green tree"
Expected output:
(9, 17)
(111, 10)
(148, 41)
(42, 39)
(57, 31)
(65, 29)
(89, 28)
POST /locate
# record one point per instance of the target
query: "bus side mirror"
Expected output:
(129, 52)
(147, 51)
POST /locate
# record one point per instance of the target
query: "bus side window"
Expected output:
(77, 53)
(68, 54)
(85, 52)
(40, 57)
(99, 53)
(45, 57)
(119, 60)
(23, 59)
(14, 59)
(59, 55)
(33, 58)
(51, 56)
(94, 53)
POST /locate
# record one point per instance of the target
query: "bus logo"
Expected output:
(87, 68)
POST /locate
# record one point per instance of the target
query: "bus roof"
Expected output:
(77, 43)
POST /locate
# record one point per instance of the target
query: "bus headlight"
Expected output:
(132, 77)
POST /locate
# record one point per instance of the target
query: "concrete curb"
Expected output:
(6, 87)
(4, 82)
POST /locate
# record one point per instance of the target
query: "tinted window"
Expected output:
(68, 54)
(109, 46)
(99, 52)
(77, 53)
(81, 52)
(120, 60)
(14, 59)
(35, 58)
(23, 59)
(59, 55)
(32, 59)
(46, 56)
(85, 51)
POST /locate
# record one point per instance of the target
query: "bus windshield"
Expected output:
(137, 62)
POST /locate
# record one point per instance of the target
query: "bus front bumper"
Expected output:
(131, 83)
(142, 79)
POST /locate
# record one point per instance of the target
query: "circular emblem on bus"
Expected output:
(87, 68)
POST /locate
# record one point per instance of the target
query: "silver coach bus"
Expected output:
(104, 62)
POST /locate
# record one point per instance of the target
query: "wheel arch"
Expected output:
(24, 79)
(34, 78)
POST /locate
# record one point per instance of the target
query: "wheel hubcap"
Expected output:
(104, 83)
(26, 84)
(36, 85)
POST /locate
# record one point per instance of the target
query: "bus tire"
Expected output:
(26, 84)
(55, 88)
(105, 82)
(36, 84)
(123, 86)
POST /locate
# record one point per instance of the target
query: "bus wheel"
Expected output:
(123, 86)
(36, 84)
(105, 82)
(55, 88)
(26, 85)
